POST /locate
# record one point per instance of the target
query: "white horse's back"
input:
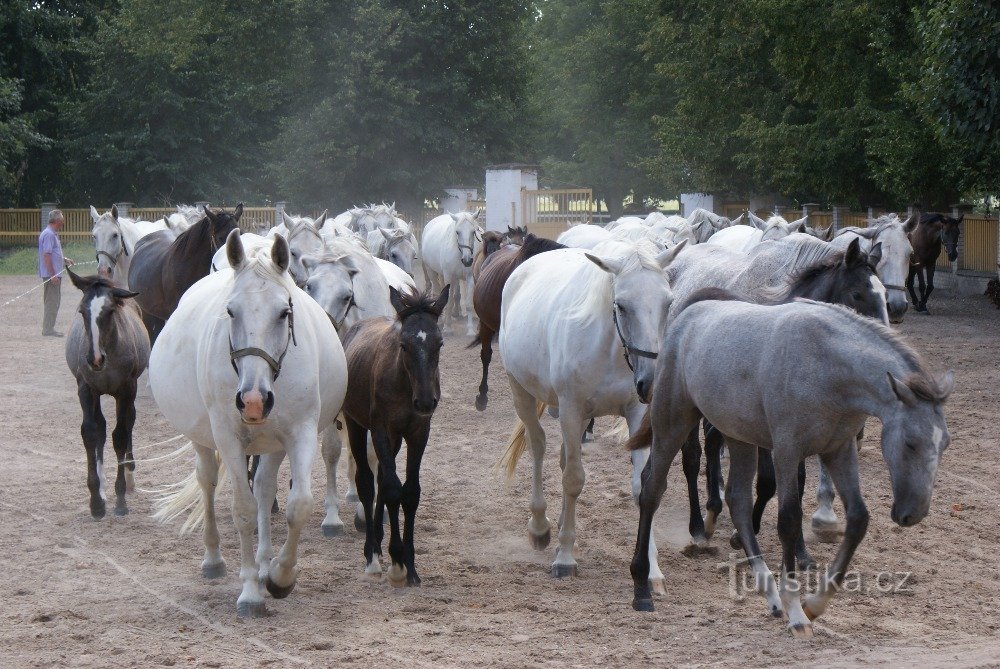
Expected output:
(738, 238)
(584, 236)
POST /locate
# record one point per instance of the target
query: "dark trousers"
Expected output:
(51, 297)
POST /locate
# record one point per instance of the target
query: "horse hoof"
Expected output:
(98, 509)
(645, 604)
(121, 509)
(777, 612)
(553, 411)
(352, 498)
(251, 609)
(809, 614)
(801, 631)
(412, 581)
(658, 586)
(805, 562)
(213, 571)
(563, 570)
(278, 591)
(710, 519)
(734, 540)
(333, 530)
(481, 401)
(540, 541)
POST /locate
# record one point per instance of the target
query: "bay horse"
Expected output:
(393, 389)
(164, 266)
(927, 237)
(754, 372)
(486, 298)
(249, 365)
(107, 350)
(492, 241)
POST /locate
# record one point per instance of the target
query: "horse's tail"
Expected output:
(618, 431)
(185, 496)
(475, 342)
(643, 437)
(515, 447)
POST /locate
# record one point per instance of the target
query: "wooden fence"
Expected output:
(548, 213)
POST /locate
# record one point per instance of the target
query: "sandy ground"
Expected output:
(128, 592)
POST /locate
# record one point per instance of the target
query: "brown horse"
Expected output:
(392, 391)
(164, 267)
(516, 235)
(487, 294)
(492, 241)
(927, 237)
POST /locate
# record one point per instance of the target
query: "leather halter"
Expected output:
(627, 346)
(466, 246)
(275, 365)
(114, 258)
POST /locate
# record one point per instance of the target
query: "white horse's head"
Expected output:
(304, 239)
(641, 297)
(384, 215)
(400, 248)
(330, 282)
(261, 323)
(109, 240)
(894, 266)
(778, 228)
(466, 234)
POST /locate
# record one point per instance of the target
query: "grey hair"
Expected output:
(55, 214)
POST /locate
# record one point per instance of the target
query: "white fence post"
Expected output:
(123, 208)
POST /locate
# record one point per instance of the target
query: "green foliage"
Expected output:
(24, 260)
(18, 135)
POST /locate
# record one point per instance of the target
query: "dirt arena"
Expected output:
(127, 592)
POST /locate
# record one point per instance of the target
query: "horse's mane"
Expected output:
(258, 261)
(878, 226)
(198, 233)
(595, 292)
(416, 303)
(533, 245)
(811, 259)
(711, 293)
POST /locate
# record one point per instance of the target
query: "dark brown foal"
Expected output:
(927, 237)
(392, 391)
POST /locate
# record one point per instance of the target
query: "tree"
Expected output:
(401, 99)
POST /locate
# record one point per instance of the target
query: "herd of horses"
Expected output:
(770, 337)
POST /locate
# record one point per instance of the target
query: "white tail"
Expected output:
(618, 431)
(185, 496)
(515, 447)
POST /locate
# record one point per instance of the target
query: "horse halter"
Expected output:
(114, 258)
(627, 346)
(275, 365)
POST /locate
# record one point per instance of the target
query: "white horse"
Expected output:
(248, 365)
(743, 238)
(114, 239)
(449, 244)
(567, 318)
(397, 246)
(584, 236)
(895, 262)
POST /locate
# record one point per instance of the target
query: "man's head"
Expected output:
(56, 219)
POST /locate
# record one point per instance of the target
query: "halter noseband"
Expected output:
(627, 346)
(114, 258)
(275, 365)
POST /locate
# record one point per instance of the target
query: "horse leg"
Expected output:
(588, 432)
(639, 459)
(332, 524)
(824, 520)
(805, 560)
(121, 437)
(790, 532)
(411, 500)
(910, 276)
(207, 472)
(713, 476)
(250, 603)
(765, 491)
(468, 286)
(94, 431)
(921, 284)
(843, 468)
(282, 572)
(571, 421)
(539, 527)
(359, 510)
(390, 494)
(365, 481)
(930, 287)
(691, 460)
(486, 355)
(672, 422)
(265, 487)
(744, 461)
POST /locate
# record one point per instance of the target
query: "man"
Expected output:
(50, 266)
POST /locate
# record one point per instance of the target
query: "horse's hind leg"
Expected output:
(713, 476)
(910, 277)
(572, 423)
(411, 500)
(332, 524)
(786, 467)
(691, 459)
(207, 472)
(539, 527)
(639, 459)
(930, 288)
(358, 439)
(468, 286)
(922, 286)
(282, 572)
(94, 431)
(824, 520)
(265, 487)
(486, 356)
(121, 437)
(743, 461)
(843, 468)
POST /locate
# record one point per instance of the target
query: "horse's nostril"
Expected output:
(240, 406)
(268, 402)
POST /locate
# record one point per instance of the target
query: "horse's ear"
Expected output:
(511, 231)
(114, 212)
(610, 265)
(81, 282)
(945, 383)
(386, 234)
(910, 224)
(827, 234)
(454, 216)
(318, 222)
(238, 211)
(478, 214)
(442, 300)
(875, 256)
(308, 263)
(853, 256)
(123, 294)
(800, 225)
(94, 214)
(279, 253)
(396, 300)
(666, 257)
(208, 213)
(352, 269)
(234, 250)
(287, 220)
(902, 391)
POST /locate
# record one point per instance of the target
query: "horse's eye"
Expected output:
(229, 312)
(857, 296)
(910, 446)
(285, 314)
(114, 236)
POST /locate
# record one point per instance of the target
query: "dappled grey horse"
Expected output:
(754, 372)
(772, 273)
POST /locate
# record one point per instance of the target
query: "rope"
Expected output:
(33, 289)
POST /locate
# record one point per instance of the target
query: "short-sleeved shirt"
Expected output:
(48, 242)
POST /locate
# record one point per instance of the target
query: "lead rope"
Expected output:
(33, 289)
